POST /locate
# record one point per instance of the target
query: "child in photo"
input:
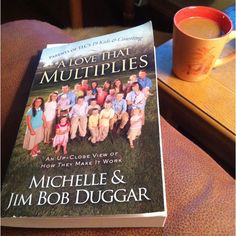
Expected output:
(36, 122)
(93, 125)
(104, 120)
(62, 135)
(63, 105)
(101, 96)
(78, 90)
(50, 116)
(133, 78)
(93, 104)
(111, 96)
(89, 96)
(146, 92)
(84, 85)
(94, 86)
(135, 126)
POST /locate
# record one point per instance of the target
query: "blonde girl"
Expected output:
(50, 116)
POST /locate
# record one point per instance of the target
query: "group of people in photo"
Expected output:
(88, 112)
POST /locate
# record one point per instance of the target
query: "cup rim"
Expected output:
(203, 8)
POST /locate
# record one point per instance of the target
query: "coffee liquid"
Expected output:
(200, 27)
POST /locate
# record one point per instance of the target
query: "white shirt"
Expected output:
(50, 110)
(138, 99)
(79, 110)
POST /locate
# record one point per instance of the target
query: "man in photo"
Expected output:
(143, 80)
(78, 116)
(69, 94)
(119, 106)
(136, 99)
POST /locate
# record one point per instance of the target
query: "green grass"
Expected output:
(140, 168)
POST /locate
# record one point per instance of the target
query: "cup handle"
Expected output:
(231, 56)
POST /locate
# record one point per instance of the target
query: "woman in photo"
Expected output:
(50, 116)
(106, 86)
(36, 122)
(118, 86)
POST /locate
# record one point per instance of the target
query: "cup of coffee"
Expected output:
(199, 36)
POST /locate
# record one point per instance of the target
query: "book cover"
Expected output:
(88, 151)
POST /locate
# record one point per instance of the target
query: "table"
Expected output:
(204, 111)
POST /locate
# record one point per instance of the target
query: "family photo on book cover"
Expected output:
(88, 112)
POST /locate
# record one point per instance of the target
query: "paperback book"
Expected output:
(88, 151)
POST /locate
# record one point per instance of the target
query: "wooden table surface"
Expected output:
(206, 108)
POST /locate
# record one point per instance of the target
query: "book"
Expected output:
(88, 152)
